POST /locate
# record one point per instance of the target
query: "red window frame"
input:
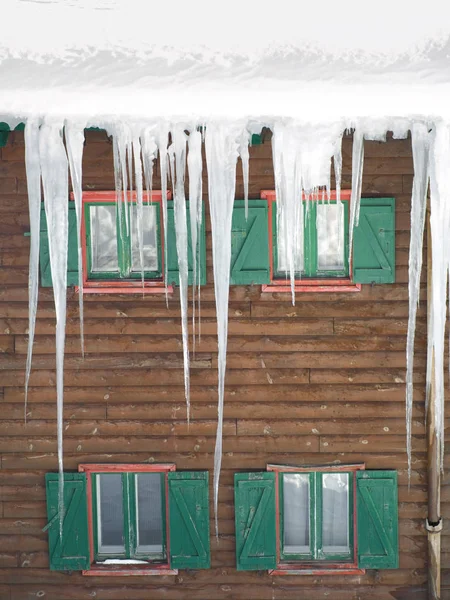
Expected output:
(126, 569)
(305, 285)
(312, 568)
(114, 286)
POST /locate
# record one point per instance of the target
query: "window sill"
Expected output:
(99, 570)
(313, 285)
(332, 569)
(137, 288)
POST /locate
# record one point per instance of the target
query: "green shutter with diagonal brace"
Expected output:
(71, 552)
(254, 506)
(189, 520)
(172, 255)
(377, 510)
(250, 243)
(374, 242)
(72, 255)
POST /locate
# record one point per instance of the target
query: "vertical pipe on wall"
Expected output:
(433, 522)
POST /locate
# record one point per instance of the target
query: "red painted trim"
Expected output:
(312, 568)
(90, 518)
(314, 285)
(114, 286)
(277, 520)
(305, 285)
(271, 195)
(106, 571)
(126, 468)
(312, 468)
(166, 482)
(336, 570)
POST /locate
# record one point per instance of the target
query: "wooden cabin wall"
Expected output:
(314, 383)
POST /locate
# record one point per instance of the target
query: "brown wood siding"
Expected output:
(316, 383)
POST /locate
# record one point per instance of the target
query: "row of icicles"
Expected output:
(302, 165)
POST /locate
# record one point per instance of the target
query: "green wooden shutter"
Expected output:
(73, 553)
(250, 243)
(254, 505)
(189, 520)
(171, 254)
(377, 511)
(72, 256)
(374, 242)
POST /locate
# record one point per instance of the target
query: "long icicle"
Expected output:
(420, 149)
(162, 141)
(177, 154)
(136, 145)
(440, 226)
(74, 134)
(221, 147)
(33, 169)
(195, 166)
(55, 180)
(357, 175)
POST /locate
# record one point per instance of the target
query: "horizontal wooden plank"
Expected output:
(111, 428)
(240, 410)
(282, 427)
(370, 327)
(131, 326)
(16, 411)
(160, 377)
(237, 461)
(363, 376)
(45, 344)
(342, 308)
(113, 361)
(115, 394)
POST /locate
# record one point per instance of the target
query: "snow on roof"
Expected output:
(316, 61)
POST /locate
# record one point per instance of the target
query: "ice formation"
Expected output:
(222, 144)
(307, 85)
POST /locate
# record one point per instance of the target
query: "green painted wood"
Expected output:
(72, 257)
(254, 501)
(374, 242)
(189, 520)
(172, 254)
(250, 243)
(71, 552)
(377, 508)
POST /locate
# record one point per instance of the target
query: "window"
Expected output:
(317, 519)
(129, 519)
(321, 258)
(111, 254)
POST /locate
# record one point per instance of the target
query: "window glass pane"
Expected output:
(110, 513)
(335, 518)
(149, 513)
(150, 248)
(103, 238)
(296, 513)
(282, 259)
(330, 237)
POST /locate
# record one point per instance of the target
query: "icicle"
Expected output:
(337, 162)
(221, 147)
(195, 165)
(177, 154)
(244, 154)
(149, 151)
(55, 181)
(33, 169)
(136, 145)
(357, 174)
(75, 144)
(302, 163)
(420, 149)
(440, 226)
(162, 141)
